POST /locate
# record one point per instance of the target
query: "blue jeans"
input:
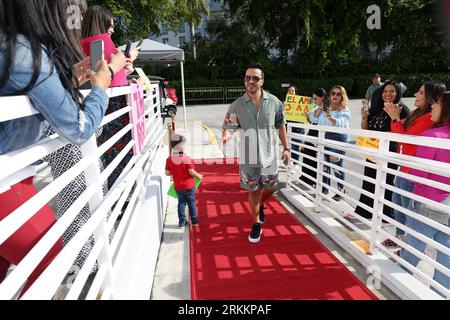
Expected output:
(419, 245)
(402, 201)
(186, 197)
(339, 174)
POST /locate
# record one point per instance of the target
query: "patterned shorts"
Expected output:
(254, 178)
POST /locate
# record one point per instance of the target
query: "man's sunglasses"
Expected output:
(252, 78)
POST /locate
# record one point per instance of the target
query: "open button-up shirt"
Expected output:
(258, 141)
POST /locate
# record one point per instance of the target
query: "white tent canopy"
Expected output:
(156, 52)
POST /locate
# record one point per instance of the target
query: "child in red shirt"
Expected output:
(181, 168)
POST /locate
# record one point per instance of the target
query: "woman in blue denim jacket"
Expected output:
(27, 69)
(337, 116)
(36, 60)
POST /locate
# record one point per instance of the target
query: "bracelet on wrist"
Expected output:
(287, 149)
(112, 72)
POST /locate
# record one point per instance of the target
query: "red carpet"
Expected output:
(288, 263)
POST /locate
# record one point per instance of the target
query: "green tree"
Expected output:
(328, 36)
(138, 19)
(193, 11)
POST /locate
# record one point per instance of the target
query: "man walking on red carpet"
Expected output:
(259, 117)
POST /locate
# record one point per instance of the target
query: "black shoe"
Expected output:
(255, 234)
(194, 222)
(181, 224)
(262, 216)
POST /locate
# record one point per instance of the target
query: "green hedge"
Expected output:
(355, 85)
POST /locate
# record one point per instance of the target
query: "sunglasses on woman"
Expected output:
(334, 93)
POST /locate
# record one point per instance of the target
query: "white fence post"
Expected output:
(92, 174)
(289, 166)
(320, 159)
(377, 219)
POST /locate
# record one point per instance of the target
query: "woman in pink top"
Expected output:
(416, 123)
(440, 115)
(98, 24)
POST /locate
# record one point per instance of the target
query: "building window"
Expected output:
(164, 29)
(165, 40)
(182, 40)
(182, 29)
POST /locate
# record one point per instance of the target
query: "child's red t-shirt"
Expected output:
(179, 165)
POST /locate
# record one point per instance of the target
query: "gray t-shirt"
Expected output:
(371, 90)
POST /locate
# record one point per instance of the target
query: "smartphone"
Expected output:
(365, 105)
(97, 49)
(127, 49)
(326, 104)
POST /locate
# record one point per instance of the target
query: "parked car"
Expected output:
(170, 92)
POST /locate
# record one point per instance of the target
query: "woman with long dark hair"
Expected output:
(36, 60)
(440, 115)
(318, 98)
(377, 119)
(98, 23)
(416, 123)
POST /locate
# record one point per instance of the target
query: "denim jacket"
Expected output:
(48, 97)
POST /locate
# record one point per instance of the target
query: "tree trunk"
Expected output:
(193, 44)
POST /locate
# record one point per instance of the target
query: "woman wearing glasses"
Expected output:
(334, 114)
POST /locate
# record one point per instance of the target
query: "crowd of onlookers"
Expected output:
(384, 111)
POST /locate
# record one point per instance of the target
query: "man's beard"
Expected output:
(253, 89)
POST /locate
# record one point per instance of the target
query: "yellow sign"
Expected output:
(297, 108)
(372, 143)
(148, 85)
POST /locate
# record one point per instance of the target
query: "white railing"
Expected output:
(126, 247)
(321, 207)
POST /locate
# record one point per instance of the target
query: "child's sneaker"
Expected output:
(182, 224)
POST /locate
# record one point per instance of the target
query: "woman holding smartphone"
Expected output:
(36, 60)
(378, 120)
(319, 96)
(335, 113)
(98, 23)
(68, 156)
